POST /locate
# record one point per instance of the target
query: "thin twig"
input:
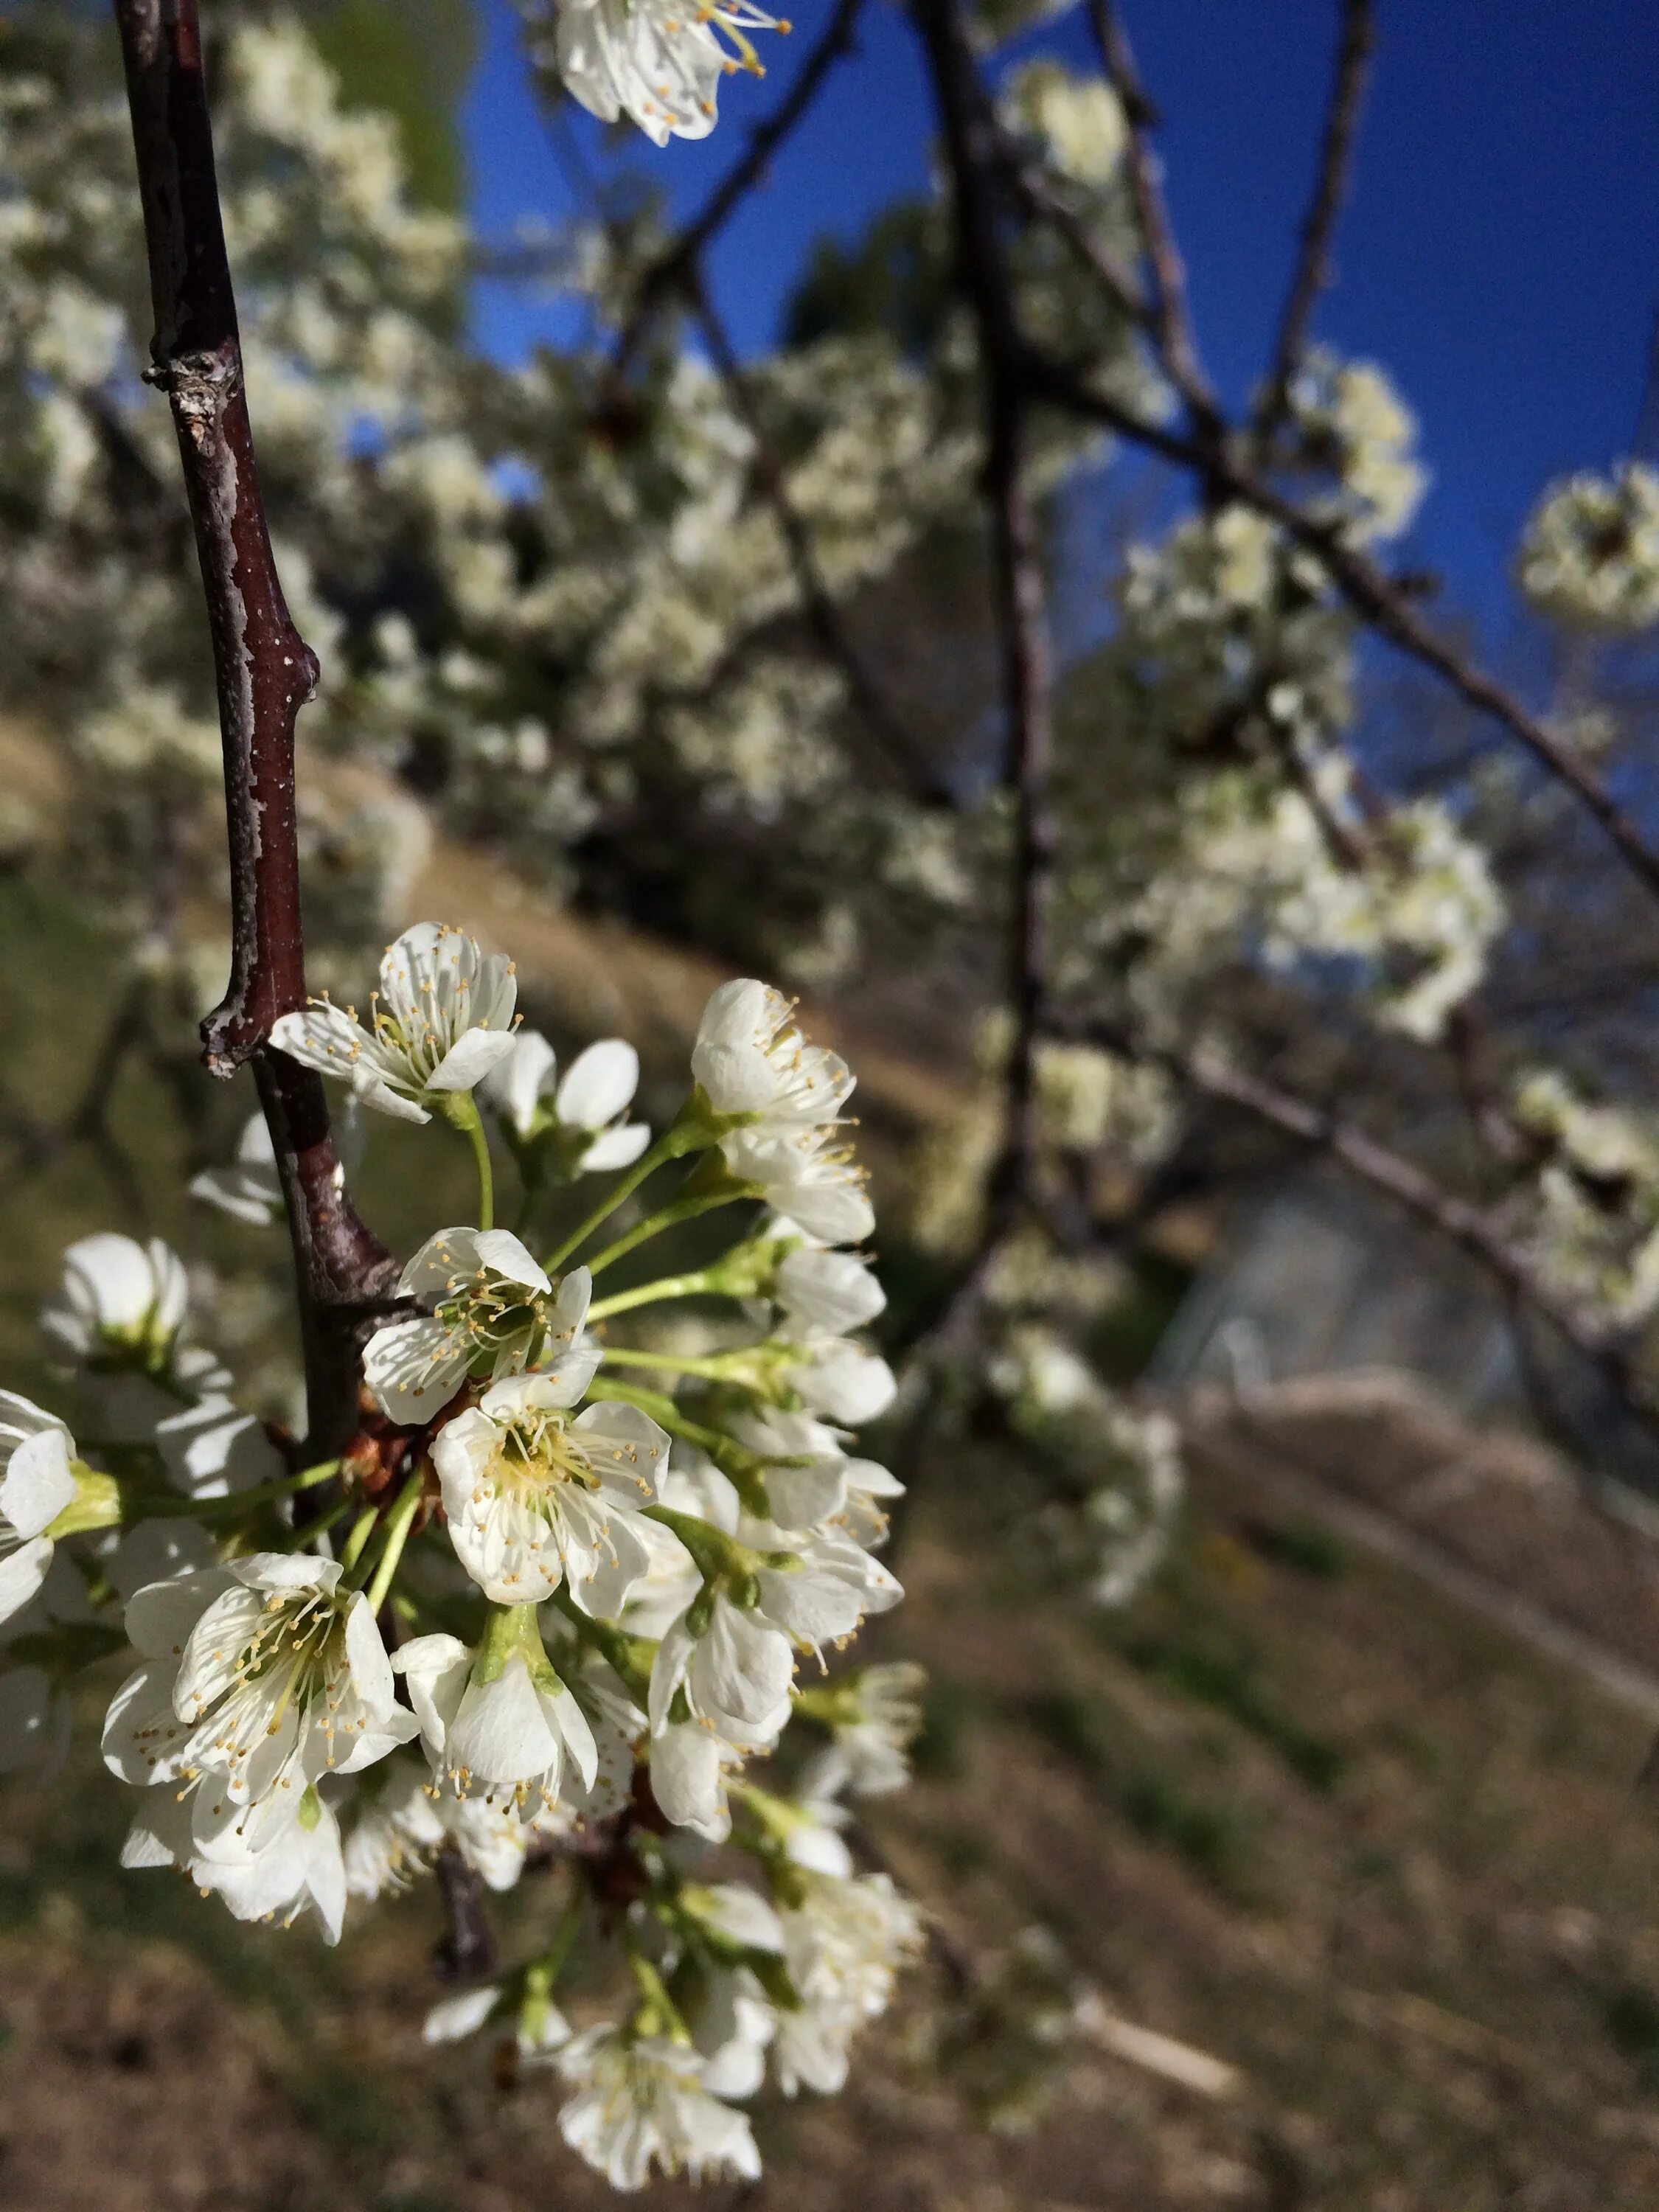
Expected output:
(265, 672)
(1313, 265)
(1171, 319)
(669, 272)
(1472, 1228)
(1369, 591)
(1035, 190)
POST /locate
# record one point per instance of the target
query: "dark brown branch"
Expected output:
(265, 673)
(264, 669)
(986, 282)
(1472, 1228)
(1368, 590)
(1035, 192)
(467, 1950)
(1313, 266)
(1171, 319)
(677, 265)
(892, 755)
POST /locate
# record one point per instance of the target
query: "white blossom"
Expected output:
(750, 1058)
(37, 1482)
(655, 62)
(873, 1719)
(119, 1299)
(504, 1729)
(534, 1498)
(294, 1864)
(807, 1174)
(845, 1937)
(264, 1675)
(249, 1189)
(441, 1020)
(692, 1764)
(1590, 558)
(494, 1312)
(640, 2103)
(834, 1293)
(1079, 121)
(840, 1381)
(583, 1112)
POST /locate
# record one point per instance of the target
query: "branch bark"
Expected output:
(1171, 317)
(1313, 265)
(984, 274)
(264, 672)
(677, 262)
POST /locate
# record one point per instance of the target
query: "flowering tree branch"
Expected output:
(265, 673)
(674, 270)
(1382, 602)
(1474, 1229)
(1171, 316)
(1313, 264)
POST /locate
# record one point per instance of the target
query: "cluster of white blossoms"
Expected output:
(1353, 427)
(1589, 555)
(1252, 872)
(1590, 1211)
(1124, 1466)
(559, 1588)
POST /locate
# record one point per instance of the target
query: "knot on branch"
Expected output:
(200, 384)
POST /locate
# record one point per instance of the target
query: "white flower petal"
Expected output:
(598, 1085)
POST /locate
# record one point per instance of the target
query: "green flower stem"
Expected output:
(301, 1537)
(694, 1128)
(647, 1294)
(399, 1524)
(460, 1109)
(747, 1270)
(662, 1409)
(361, 1529)
(268, 1493)
(717, 1555)
(545, 1971)
(658, 2014)
(666, 1217)
(148, 1506)
(660, 1153)
(712, 1369)
(627, 1657)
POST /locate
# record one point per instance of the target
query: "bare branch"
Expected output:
(1034, 190)
(467, 1950)
(264, 669)
(1171, 319)
(1027, 673)
(1313, 266)
(676, 267)
(892, 755)
(265, 672)
(1472, 1228)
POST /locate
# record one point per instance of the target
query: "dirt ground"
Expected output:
(1294, 1810)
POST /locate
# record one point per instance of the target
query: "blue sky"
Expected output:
(1500, 256)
